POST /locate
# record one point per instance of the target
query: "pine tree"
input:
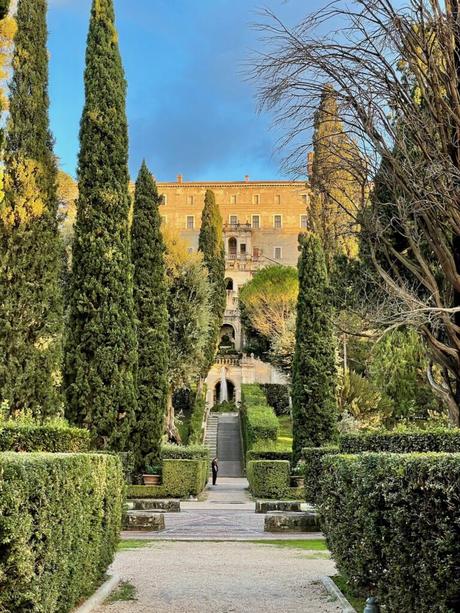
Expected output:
(150, 297)
(335, 189)
(31, 311)
(211, 244)
(314, 370)
(101, 346)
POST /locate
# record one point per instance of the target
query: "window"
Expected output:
(277, 199)
(256, 199)
(190, 222)
(278, 253)
(190, 200)
(304, 221)
(256, 222)
(232, 199)
(305, 198)
(243, 248)
(164, 199)
(233, 220)
(277, 222)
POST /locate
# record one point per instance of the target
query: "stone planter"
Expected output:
(151, 479)
(292, 522)
(144, 520)
(297, 481)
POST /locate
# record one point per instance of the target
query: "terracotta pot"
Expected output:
(297, 481)
(151, 479)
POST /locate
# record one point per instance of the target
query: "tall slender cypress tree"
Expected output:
(31, 310)
(314, 369)
(211, 244)
(101, 346)
(150, 297)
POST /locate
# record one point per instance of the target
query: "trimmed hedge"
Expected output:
(313, 457)
(269, 478)
(258, 420)
(181, 478)
(191, 452)
(267, 451)
(392, 524)
(46, 438)
(440, 440)
(60, 518)
(277, 396)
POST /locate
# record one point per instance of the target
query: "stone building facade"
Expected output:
(262, 221)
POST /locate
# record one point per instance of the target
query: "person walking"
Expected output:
(215, 470)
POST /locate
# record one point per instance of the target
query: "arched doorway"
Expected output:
(232, 246)
(230, 391)
(227, 337)
(229, 284)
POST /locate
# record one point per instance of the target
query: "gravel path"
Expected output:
(226, 577)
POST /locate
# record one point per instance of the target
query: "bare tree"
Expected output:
(396, 73)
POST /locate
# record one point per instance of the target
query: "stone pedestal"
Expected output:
(152, 504)
(292, 522)
(144, 520)
(268, 506)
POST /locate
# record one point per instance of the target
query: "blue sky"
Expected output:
(190, 108)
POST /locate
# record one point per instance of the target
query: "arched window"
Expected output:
(228, 283)
(232, 246)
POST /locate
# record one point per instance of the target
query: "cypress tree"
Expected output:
(211, 244)
(101, 345)
(31, 312)
(314, 369)
(150, 297)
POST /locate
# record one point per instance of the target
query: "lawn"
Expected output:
(357, 602)
(133, 544)
(285, 430)
(307, 544)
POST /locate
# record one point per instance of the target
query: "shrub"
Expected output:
(269, 478)
(60, 518)
(442, 439)
(391, 522)
(51, 438)
(277, 396)
(313, 457)
(191, 452)
(258, 420)
(269, 451)
(181, 478)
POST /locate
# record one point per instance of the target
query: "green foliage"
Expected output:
(181, 478)
(46, 437)
(150, 299)
(196, 432)
(4, 7)
(267, 450)
(125, 591)
(60, 523)
(211, 244)
(441, 439)
(191, 452)
(268, 307)
(31, 305)
(258, 420)
(363, 401)
(391, 522)
(101, 345)
(277, 396)
(314, 369)
(268, 478)
(313, 457)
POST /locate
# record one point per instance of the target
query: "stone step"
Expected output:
(269, 506)
(144, 520)
(154, 504)
(292, 522)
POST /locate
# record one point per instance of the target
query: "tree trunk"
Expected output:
(171, 429)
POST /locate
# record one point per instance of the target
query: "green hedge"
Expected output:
(269, 478)
(196, 426)
(60, 518)
(313, 457)
(258, 420)
(277, 396)
(181, 478)
(392, 524)
(269, 451)
(446, 440)
(191, 452)
(43, 438)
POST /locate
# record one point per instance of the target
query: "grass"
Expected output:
(357, 602)
(309, 545)
(133, 544)
(124, 592)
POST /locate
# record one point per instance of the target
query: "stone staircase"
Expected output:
(211, 434)
(229, 445)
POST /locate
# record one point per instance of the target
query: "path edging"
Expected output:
(99, 596)
(334, 591)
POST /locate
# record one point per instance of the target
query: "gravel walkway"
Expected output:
(226, 577)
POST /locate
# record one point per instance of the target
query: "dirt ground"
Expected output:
(223, 577)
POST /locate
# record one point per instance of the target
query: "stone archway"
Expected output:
(230, 391)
